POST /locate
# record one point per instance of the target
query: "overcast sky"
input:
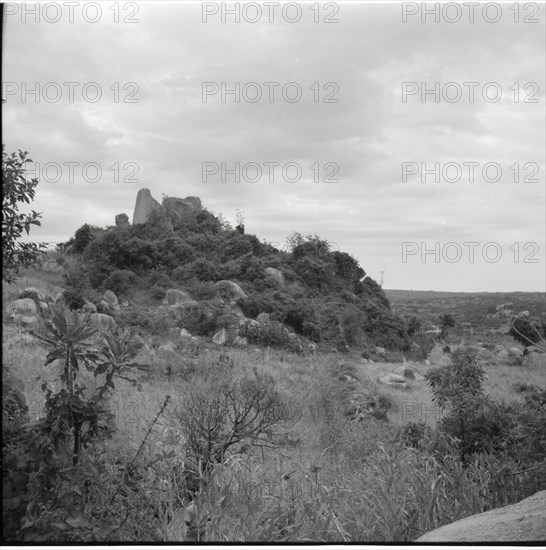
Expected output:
(161, 61)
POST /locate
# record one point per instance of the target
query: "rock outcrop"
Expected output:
(122, 220)
(521, 522)
(394, 380)
(174, 210)
(174, 296)
(33, 294)
(220, 338)
(104, 323)
(110, 297)
(23, 306)
(274, 275)
(145, 206)
(179, 210)
(228, 291)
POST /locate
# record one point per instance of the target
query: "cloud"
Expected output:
(163, 61)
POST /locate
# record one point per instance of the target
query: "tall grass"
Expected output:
(334, 480)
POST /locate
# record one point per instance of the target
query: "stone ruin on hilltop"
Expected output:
(176, 209)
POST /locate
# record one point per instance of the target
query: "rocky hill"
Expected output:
(217, 281)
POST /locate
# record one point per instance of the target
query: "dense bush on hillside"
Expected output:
(322, 296)
(482, 425)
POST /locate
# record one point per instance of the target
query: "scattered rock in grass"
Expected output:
(394, 380)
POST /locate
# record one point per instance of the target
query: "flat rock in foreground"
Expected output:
(524, 521)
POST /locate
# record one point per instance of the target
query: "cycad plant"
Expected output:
(69, 335)
(116, 360)
(71, 410)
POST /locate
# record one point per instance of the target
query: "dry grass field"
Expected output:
(332, 480)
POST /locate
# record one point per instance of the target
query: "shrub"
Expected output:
(77, 277)
(311, 330)
(352, 320)
(83, 236)
(159, 279)
(16, 191)
(458, 388)
(74, 298)
(412, 434)
(144, 320)
(221, 415)
(158, 293)
(200, 269)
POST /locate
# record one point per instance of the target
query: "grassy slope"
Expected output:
(300, 379)
(295, 374)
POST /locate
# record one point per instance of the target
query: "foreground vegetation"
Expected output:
(303, 470)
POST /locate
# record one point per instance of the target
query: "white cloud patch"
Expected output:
(369, 132)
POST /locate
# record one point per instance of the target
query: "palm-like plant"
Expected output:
(70, 335)
(117, 354)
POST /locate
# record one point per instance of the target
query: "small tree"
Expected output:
(458, 388)
(83, 236)
(71, 410)
(240, 217)
(446, 322)
(222, 415)
(16, 189)
(69, 335)
(528, 333)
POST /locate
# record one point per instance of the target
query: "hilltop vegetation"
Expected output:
(319, 294)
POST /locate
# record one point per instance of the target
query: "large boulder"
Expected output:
(110, 297)
(228, 291)
(89, 307)
(394, 380)
(180, 210)
(51, 266)
(274, 275)
(174, 296)
(60, 299)
(184, 333)
(263, 318)
(515, 352)
(23, 306)
(23, 316)
(521, 522)
(145, 355)
(167, 354)
(104, 323)
(29, 323)
(145, 206)
(122, 220)
(220, 338)
(33, 294)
